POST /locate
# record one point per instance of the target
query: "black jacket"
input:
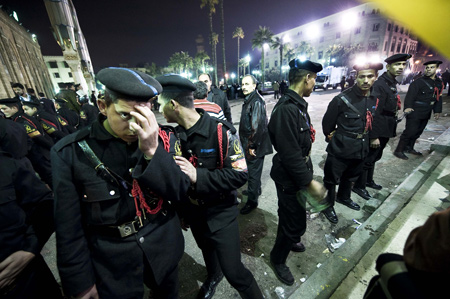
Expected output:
(68, 119)
(347, 124)
(424, 96)
(215, 188)
(50, 124)
(26, 209)
(14, 139)
(253, 126)
(290, 133)
(84, 203)
(220, 98)
(88, 115)
(385, 120)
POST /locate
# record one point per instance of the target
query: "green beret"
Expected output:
(397, 57)
(305, 65)
(175, 83)
(129, 83)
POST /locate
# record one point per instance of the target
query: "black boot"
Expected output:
(329, 212)
(278, 256)
(253, 292)
(370, 182)
(399, 151)
(208, 288)
(360, 185)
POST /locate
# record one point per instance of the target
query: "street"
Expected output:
(258, 229)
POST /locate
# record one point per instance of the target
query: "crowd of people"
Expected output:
(118, 188)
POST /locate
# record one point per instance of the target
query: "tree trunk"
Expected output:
(214, 79)
(281, 62)
(238, 62)
(223, 40)
(263, 67)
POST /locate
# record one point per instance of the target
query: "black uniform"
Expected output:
(253, 134)
(90, 247)
(26, 223)
(220, 98)
(384, 124)
(39, 153)
(13, 139)
(50, 124)
(68, 119)
(292, 135)
(349, 146)
(424, 97)
(213, 203)
(88, 115)
(48, 105)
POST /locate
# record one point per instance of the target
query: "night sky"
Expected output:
(136, 31)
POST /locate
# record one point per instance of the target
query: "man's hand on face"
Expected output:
(146, 128)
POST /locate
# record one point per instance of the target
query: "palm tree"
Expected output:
(290, 54)
(176, 62)
(215, 41)
(211, 5)
(342, 53)
(239, 34)
(305, 49)
(222, 21)
(278, 42)
(187, 61)
(261, 37)
(199, 61)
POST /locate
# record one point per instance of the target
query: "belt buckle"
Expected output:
(432, 103)
(127, 229)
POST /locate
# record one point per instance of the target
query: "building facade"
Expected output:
(21, 58)
(59, 71)
(372, 36)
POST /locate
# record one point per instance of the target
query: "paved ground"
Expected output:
(311, 268)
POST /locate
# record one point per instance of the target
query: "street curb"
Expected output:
(442, 143)
(326, 279)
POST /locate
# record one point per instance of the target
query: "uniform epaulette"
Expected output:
(75, 137)
(167, 128)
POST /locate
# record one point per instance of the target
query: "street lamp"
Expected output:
(233, 75)
(226, 78)
(248, 59)
(285, 69)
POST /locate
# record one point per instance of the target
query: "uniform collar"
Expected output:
(99, 132)
(201, 127)
(358, 91)
(296, 97)
(388, 79)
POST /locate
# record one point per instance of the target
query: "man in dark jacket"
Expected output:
(346, 125)
(68, 119)
(49, 122)
(214, 161)
(69, 94)
(384, 121)
(26, 223)
(88, 113)
(292, 135)
(422, 98)
(48, 104)
(254, 138)
(217, 96)
(39, 151)
(114, 181)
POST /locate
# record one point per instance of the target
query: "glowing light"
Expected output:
(302, 58)
(407, 72)
(349, 20)
(286, 39)
(233, 75)
(248, 58)
(313, 31)
(360, 60)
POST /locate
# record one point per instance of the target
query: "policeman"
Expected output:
(292, 135)
(49, 122)
(255, 139)
(68, 119)
(88, 113)
(69, 94)
(422, 98)
(115, 227)
(346, 125)
(384, 122)
(26, 223)
(214, 161)
(39, 150)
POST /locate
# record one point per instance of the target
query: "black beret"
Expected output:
(18, 85)
(175, 83)
(438, 62)
(60, 101)
(129, 83)
(397, 57)
(305, 65)
(10, 101)
(368, 66)
(32, 103)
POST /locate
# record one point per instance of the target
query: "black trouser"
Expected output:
(222, 253)
(291, 223)
(35, 281)
(276, 94)
(167, 288)
(341, 172)
(255, 167)
(374, 155)
(413, 129)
